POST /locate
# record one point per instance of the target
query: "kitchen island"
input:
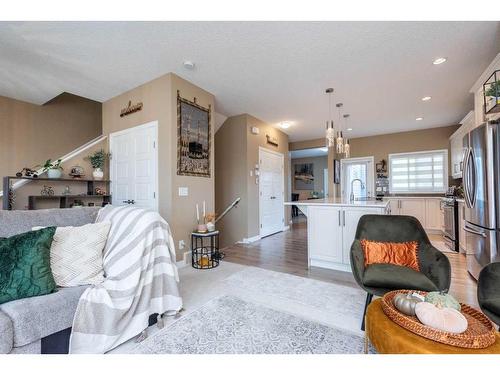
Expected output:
(331, 227)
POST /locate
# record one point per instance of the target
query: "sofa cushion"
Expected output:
(37, 317)
(76, 254)
(15, 222)
(392, 277)
(25, 265)
(6, 334)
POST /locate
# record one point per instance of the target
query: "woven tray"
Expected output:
(480, 332)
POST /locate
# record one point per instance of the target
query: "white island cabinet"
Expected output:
(331, 228)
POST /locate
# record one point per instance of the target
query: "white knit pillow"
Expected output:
(76, 254)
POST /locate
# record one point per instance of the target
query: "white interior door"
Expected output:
(271, 191)
(357, 169)
(134, 166)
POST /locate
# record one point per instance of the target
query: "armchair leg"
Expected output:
(368, 301)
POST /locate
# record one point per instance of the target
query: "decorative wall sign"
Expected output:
(304, 176)
(193, 138)
(131, 108)
(272, 140)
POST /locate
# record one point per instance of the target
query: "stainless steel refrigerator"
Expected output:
(481, 180)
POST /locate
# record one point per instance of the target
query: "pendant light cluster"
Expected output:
(341, 144)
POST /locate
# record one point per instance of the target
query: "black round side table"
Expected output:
(205, 250)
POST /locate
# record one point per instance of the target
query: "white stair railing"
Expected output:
(68, 156)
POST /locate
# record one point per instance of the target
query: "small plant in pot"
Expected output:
(97, 160)
(493, 93)
(53, 168)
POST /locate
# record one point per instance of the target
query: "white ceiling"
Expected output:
(273, 70)
(309, 153)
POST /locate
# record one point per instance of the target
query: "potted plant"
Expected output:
(493, 93)
(53, 169)
(97, 160)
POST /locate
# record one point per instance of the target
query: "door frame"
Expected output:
(282, 157)
(369, 159)
(112, 136)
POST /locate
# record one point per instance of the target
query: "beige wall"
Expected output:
(380, 146)
(230, 179)
(31, 134)
(159, 98)
(237, 153)
(253, 144)
(183, 218)
(320, 164)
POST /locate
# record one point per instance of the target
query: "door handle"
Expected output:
(482, 234)
(339, 218)
(129, 201)
(343, 218)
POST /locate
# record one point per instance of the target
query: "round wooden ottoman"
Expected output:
(389, 338)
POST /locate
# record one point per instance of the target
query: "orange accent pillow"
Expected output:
(399, 253)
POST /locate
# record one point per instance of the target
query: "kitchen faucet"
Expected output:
(351, 198)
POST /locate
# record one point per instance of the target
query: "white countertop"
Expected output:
(339, 203)
(412, 197)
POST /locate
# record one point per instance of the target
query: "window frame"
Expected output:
(444, 152)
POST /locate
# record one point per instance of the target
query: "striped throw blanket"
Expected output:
(141, 279)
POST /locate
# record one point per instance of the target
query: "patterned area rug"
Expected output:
(229, 325)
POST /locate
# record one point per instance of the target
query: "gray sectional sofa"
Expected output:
(40, 324)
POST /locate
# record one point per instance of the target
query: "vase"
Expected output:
(98, 174)
(54, 173)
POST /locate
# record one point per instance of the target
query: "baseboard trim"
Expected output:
(250, 240)
(186, 259)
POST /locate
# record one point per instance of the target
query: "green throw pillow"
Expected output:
(25, 265)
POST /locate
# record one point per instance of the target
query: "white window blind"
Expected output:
(419, 172)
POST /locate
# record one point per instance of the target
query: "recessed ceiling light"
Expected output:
(284, 125)
(419, 119)
(188, 64)
(426, 98)
(349, 129)
(439, 60)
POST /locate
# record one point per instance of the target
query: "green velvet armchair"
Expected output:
(378, 279)
(488, 291)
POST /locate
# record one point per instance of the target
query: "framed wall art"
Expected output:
(304, 176)
(193, 138)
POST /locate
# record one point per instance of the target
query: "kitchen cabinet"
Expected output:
(477, 91)
(426, 209)
(324, 232)
(434, 215)
(409, 206)
(331, 230)
(456, 145)
(413, 207)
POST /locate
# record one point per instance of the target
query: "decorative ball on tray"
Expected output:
(442, 299)
(443, 318)
(77, 172)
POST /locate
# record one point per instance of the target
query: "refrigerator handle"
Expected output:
(467, 229)
(472, 165)
(464, 178)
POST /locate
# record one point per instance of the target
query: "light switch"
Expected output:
(183, 191)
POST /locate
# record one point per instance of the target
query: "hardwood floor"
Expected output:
(287, 252)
